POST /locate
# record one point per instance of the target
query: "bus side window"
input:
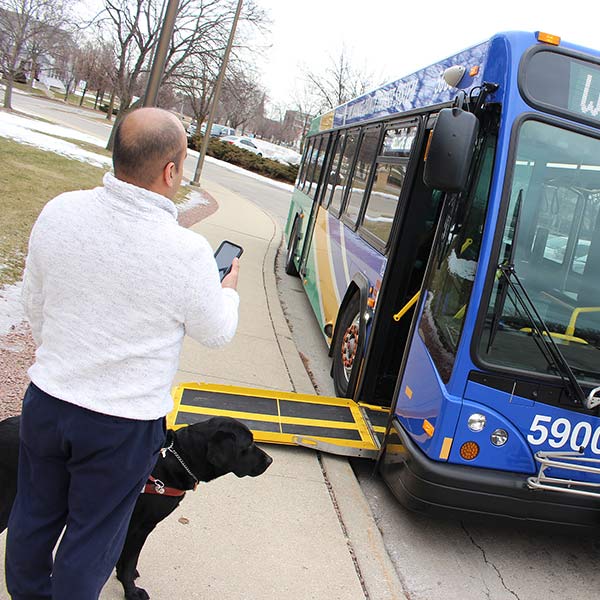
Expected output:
(302, 168)
(344, 172)
(310, 173)
(387, 185)
(305, 163)
(319, 165)
(334, 169)
(366, 155)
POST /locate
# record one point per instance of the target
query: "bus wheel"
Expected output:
(290, 267)
(348, 349)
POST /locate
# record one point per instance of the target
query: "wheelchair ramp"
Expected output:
(335, 425)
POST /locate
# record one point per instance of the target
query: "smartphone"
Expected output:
(224, 256)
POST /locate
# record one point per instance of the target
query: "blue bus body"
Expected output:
(474, 413)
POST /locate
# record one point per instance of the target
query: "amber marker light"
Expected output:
(548, 38)
(469, 450)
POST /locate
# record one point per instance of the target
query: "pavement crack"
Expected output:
(488, 562)
(340, 518)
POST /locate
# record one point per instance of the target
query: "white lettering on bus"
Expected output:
(560, 432)
(585, 107)
(441, 85)
(384, 99)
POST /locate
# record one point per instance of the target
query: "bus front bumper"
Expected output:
(428, 486)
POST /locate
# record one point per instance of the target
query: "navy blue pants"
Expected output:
(80, 471)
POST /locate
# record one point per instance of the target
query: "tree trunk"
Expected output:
(111, 106)
(8, 85)
(83, 94)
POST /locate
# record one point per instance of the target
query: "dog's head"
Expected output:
(230, 447)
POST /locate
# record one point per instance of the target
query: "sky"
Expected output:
(393, 38)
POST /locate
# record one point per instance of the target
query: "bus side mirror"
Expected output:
(450, 152)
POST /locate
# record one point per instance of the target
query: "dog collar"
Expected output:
(156, 486)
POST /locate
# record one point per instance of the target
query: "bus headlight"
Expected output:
(499, 437)
(476, 422)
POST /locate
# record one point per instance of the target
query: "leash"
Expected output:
(170, 449)
(156, 486)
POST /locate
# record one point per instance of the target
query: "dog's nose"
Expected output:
(269, 460)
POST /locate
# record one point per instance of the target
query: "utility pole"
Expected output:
(160, 57)
(213, 108)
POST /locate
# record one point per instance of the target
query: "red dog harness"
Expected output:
(156, 486)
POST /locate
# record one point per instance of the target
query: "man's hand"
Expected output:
(231, 279)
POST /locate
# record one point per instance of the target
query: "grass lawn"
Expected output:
(28, 179)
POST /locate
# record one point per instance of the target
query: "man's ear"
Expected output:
(221, 450)
(169, 173)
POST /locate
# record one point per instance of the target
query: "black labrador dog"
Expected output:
(198, 453)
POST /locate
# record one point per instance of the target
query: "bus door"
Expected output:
(407, 238)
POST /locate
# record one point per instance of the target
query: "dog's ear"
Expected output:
(221, 450)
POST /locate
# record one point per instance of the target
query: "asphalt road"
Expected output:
(437, 559)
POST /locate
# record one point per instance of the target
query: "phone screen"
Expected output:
(224, 256)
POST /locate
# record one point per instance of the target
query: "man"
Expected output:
(111, 285)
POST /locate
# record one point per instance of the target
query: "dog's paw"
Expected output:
(137, 594)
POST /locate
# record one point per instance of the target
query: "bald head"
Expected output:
(146, 140)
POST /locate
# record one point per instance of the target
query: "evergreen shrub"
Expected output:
(247, 160)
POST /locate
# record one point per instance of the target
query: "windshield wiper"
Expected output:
(540, 331)
(502, 287)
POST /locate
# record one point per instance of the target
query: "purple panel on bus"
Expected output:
(423, 88)
(360, 256)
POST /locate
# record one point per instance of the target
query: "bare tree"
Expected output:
(27, 25)
(240, 99)
(133, 26)
(97, 67)
(200, 35)
(338, 83)
(195, 80)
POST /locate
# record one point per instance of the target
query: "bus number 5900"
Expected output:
(560, 431)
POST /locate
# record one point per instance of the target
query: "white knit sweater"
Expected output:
(111, 286)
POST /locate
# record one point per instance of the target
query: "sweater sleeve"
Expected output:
(211, 315)
(31, 294)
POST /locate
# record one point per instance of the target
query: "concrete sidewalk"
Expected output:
(303, 529)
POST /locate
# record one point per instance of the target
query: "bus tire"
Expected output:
(347, 351)
(290, 267)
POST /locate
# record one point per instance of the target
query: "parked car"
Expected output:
(215, 131)
(242, 142)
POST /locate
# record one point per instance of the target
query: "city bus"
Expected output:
(446, 229)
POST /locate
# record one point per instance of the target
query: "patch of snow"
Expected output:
(50, 128)
(194, 198)
(33, 133)
(11, 310)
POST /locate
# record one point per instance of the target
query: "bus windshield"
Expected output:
(552, 237)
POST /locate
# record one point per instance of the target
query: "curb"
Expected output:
(373, 565)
